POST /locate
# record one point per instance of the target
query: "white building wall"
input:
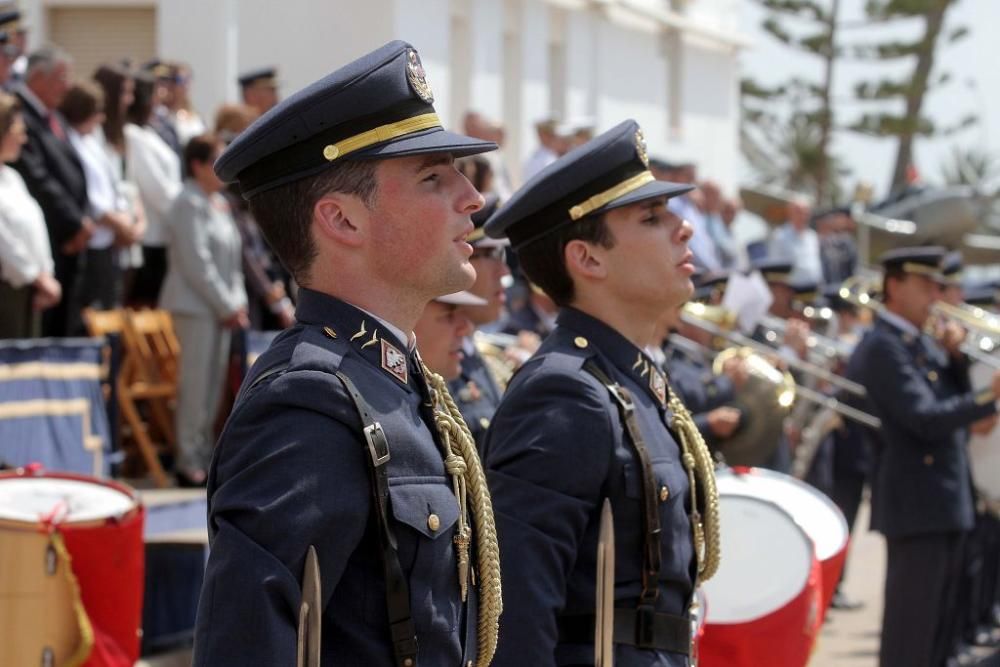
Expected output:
(615, 63)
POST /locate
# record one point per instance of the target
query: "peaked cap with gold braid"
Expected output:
(379, 106)
(607, 172)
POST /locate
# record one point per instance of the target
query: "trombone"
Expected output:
(699, 315)
(811, 395)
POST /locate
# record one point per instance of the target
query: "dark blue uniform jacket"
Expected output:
(556, 449)
(290, 471)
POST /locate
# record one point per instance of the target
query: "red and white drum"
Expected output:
(984, 450)
(71, 571)
(822, 520)
(763, 603)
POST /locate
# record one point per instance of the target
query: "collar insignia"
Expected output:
(394, 361)
(361, 332)
(417, 77)
(659, 386)
(638, 361)
(372, 341)
(640, 147)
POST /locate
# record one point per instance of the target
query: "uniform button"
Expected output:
(664, 493)
(932, 376)
(433, 522)
(408, 662)
(928, 460)
(580, 342)
(484, 422)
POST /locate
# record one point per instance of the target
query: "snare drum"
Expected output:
(984, 451)
(763, 603)
(71, 571)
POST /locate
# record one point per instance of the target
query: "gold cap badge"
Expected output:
(417, 77)
(640, 147)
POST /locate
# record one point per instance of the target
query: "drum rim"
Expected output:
(815, 561)
(824, 499)
(22, 473)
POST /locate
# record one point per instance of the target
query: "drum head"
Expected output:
(28, 499)
(766, 561)
(818, 516)
(984, 451)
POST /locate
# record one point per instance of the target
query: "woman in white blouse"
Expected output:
(27, 285)
(156, 170)
(101, 283)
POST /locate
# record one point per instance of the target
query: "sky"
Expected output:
(974, 64)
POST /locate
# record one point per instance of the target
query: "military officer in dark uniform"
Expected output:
(336, 445)
(259, 88)
(921, 492)
(485, 369)
(590, 417)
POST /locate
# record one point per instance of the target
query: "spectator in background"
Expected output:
(156, 171)
(712, 207)
(204, 293)
(550, 146)
(268, 286)
(27, 284)
(54, 176)
(259, 88)
(101, 280)
(475, 125)
(838, 251)
(7, 56)
(161, 120)
(479, 172)
(119, 93)
(731, 208)
(177, 102)
(797, 243)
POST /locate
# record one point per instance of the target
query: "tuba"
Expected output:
(764, 400)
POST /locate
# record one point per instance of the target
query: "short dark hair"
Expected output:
(112, 79)
(544, 260)
(284, 214)
(201, 149)
(142, 101)
(83, 101)
(10, 107)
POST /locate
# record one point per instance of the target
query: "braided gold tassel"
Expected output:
(701, 471)
(463, 464)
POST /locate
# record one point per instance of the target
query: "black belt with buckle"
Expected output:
(642, 628)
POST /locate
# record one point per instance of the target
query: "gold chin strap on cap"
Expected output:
(381, 133)
(701, 475)
(604, 198)
(463, 465)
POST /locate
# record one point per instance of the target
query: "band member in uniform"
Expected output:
(341, 443)
(485, 367)
(921, 492)
(707, 396)
(441, 330)
(590, 416)
(259, 88)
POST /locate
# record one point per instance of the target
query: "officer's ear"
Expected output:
(342, 218)
(584, 259)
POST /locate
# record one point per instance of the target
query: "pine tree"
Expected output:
(787, 130)
(909, 92)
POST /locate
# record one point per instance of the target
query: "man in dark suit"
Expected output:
(922, 497)
(55, 178)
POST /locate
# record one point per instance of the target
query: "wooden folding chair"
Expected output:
(149, 376)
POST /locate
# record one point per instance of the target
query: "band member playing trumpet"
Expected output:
(590, 417)
(922, 498)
